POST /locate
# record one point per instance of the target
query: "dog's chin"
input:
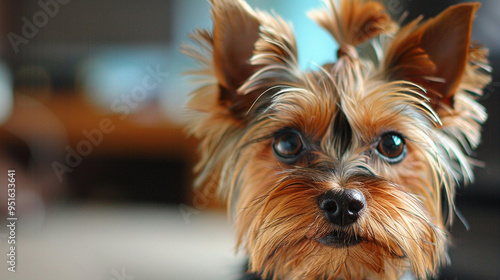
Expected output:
(340, 239)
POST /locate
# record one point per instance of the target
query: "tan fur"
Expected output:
(246, 96)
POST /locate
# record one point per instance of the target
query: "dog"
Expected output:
(348, 170)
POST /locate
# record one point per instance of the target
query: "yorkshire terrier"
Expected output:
(347, 171)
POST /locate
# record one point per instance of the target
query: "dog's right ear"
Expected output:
(243, 62)
(235, 33)
(247, 53)
(244, 43)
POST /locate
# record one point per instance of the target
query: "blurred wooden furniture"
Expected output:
(145, 156)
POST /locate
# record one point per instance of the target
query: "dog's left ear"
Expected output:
(434, 55)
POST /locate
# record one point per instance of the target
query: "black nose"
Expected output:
(342, 207)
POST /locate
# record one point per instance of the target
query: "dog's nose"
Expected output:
(344, 207)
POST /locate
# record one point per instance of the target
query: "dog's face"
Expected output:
(339, 172)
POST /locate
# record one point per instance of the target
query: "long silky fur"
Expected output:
(274, 206)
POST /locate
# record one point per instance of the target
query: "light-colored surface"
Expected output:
(95, 242)
(123, 243)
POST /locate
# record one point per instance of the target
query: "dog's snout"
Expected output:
(344, 207)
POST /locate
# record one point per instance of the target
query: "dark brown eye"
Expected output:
(392, 147)
(288, 146)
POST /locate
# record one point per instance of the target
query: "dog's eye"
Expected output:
(288, 146)
(392, 147)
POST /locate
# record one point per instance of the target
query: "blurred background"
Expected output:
(91, 120)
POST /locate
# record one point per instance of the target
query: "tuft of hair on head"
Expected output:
(354, 22)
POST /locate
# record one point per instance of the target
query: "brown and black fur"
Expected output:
(422, 85)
